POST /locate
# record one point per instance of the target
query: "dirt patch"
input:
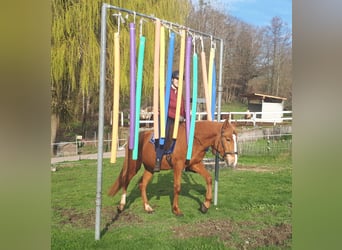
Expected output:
(209, 228)
(243, 235)
(277, 235)
(236, 235)
(255, 168)
(87, 219)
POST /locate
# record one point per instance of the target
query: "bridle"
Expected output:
(222, 138)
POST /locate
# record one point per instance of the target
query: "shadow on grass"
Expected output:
(162, 185)
(108, 224)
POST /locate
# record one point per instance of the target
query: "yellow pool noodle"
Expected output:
(180, 84)
(205, 85)
(210, 74)
(116, 96)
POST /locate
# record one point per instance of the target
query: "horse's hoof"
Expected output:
(177, 213)
(118, 209)
(203, 208)
(148, 208)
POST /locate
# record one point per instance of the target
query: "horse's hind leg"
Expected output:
(133, 168)
(145, 179)
(200, 169)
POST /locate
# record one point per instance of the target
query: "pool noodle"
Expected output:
(162, 83)
(156, 80)
(132, 85)
(213, 96)
(205, 85)
(168, 78)
(116, 97)
(180, 85)
(138, 95)
(210, 76)
(194, 102)
(187, 86)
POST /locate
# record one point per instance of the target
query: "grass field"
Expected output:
(253, 211)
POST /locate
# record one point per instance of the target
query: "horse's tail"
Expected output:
(114, 188)
(119, 182)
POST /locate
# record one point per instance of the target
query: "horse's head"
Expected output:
(226, 144)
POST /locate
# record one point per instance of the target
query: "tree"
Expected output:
(245, 56)
(75, 54)
(277, 48)
(255, 59)
(208, 20)
(74, 57)
(242, 47)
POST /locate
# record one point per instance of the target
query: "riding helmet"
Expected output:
(175, 74)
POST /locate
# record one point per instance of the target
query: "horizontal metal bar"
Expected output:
(163, 21)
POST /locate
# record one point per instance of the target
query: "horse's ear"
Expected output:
(226, 123)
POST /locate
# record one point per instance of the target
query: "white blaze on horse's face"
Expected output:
(231, 155)
(235, 151)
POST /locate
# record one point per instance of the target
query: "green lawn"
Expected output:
(253, 211)
(234, 107)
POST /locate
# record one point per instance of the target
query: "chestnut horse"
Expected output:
(221, 137)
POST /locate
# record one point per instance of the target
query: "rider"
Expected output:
(170, 119)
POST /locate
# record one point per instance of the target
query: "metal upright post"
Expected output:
(101, 120)
(219, 99)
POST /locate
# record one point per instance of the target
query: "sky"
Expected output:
(257, 12)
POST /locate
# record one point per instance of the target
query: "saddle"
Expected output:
(167, 151)
(156, 145)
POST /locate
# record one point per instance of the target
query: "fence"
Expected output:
(270, 145)
(251, 141)
(63, 149)
(251, 118)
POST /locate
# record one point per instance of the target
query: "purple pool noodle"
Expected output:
(132, 85)
(213, 94)
(187, 85)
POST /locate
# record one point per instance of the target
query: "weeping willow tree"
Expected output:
(74, 58)
(75, 53)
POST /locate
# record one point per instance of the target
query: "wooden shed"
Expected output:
(270, 106)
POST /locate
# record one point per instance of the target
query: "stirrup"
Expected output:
(157, 165)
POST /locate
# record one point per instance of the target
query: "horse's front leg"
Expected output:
(145, 179)
(200, 169)
(177, 172)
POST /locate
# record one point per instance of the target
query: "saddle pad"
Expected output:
(169, 151)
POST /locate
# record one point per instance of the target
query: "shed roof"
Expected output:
(263, 96)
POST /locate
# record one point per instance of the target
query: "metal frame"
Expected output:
(104, 9)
